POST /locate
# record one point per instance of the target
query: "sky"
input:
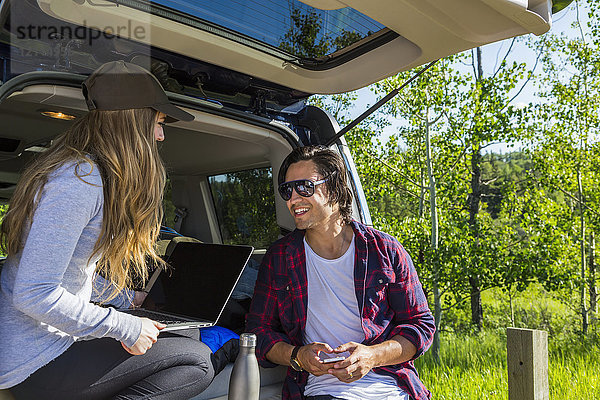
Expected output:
(492, 54)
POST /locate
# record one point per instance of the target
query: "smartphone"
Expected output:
(327, 358)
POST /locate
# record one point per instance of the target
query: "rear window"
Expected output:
(245, 206)
(300, 31)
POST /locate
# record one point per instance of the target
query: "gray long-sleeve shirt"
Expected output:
(45, 290)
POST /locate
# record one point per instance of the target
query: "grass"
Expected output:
(575, 371)
(474, 367)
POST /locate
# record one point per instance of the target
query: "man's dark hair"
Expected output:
(330, 165)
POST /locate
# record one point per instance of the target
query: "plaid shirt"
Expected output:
(388, 292)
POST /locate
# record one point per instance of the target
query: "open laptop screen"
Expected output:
(199, 280)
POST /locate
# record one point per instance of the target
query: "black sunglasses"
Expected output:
(304, 187)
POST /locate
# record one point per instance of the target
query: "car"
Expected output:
(245, 71)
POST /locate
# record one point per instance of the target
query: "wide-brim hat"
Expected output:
(119, 85)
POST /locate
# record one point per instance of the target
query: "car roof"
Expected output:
(375, 38)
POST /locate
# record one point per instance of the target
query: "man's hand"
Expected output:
(308, 355)
(362, 359)
(148, 336)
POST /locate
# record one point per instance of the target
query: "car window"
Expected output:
(168, 207)
(245, 206)
(292, 26)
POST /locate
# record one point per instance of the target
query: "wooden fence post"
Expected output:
(527, 362)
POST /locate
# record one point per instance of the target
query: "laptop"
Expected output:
(194, 290)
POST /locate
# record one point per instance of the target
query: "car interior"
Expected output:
(247, 92)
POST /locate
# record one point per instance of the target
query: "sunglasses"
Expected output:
(304, 187)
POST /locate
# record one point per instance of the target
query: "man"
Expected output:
(336, 286)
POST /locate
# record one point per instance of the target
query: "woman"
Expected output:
(90, 206)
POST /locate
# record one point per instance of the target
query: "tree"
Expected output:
(567, 150)
(477, 113)
(491, 118)
(306, 37)
(425, 103)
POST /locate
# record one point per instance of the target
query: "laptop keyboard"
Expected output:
(155, 316)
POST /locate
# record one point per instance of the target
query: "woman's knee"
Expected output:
(180, 367)
(197, 357)
(189, 351)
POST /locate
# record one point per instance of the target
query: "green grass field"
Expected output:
(473, 366)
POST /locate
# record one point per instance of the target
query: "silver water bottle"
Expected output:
(244, 383)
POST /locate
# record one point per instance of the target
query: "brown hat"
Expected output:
(118, 85)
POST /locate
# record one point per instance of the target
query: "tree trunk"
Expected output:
(422, 195)
(592, 280)
(584, 321)
(437, 301)
(510, 303)
(475, 199)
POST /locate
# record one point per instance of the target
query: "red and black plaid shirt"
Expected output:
(394, 303)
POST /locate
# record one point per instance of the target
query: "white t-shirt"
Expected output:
(333, 317)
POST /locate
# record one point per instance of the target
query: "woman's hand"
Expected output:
(149, 335)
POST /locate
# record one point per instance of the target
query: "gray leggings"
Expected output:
(175, 367)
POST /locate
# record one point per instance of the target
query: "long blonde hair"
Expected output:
(122, 145)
